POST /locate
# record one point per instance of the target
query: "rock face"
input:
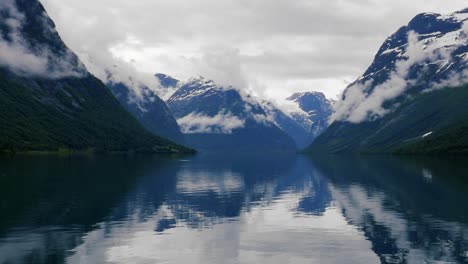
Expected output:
(216, 118)
(48, 100)
(402, 103)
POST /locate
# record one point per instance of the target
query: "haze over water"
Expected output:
(233, 209)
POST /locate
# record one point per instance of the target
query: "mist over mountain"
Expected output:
(413, 92)
(204, 109)
(30, 45)
(49, 101)
(217, 118)
(410, 99)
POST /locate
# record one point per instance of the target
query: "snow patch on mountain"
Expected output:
(302, 113)
(427, 134)
(196, 87)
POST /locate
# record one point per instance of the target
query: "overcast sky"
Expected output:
(270, 47)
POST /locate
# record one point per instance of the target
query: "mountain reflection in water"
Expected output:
(233, 209)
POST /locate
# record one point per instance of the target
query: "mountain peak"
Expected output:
(426, 23)
(166, 81)
(297, 96)
(201, 81)
(215, 117)
(431, 44)
(463, 11)
(400, 98)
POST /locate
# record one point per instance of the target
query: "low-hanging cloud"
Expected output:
(17, 55)
(454, 80)
(222, 123)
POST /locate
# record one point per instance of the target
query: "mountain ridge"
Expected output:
(397, 101)
(216, 118)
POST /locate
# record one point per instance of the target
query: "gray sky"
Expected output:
(270, 47)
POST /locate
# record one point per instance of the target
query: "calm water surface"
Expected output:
(228, 209)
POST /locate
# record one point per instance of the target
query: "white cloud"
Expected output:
(21, 60)
(222, 123)
(274, 48)
(454, 80)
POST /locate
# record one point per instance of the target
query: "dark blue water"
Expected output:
(231, 209)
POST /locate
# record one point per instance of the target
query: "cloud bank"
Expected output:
(222, 123)
(272, 48)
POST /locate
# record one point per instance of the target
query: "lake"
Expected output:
(233, 209)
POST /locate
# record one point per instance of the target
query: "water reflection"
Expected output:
(411, 210)
(231, 209)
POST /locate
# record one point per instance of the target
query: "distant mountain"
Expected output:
(217, 118)
(48, 100)
(313, 114)
(306, 120)
(166, 81)
(402, 103)
(149, 109)
(297, 130)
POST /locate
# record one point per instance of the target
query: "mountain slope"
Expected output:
(216, 118)
(403, 101)
(313, 114)
(48, 100)
(293, 127)
(150, 110)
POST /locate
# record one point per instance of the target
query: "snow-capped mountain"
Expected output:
(304, 118)
(214, 117)
(429, 53)
(315, 109)
(403, 97)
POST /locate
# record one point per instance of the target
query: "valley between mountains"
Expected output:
(411, 100)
